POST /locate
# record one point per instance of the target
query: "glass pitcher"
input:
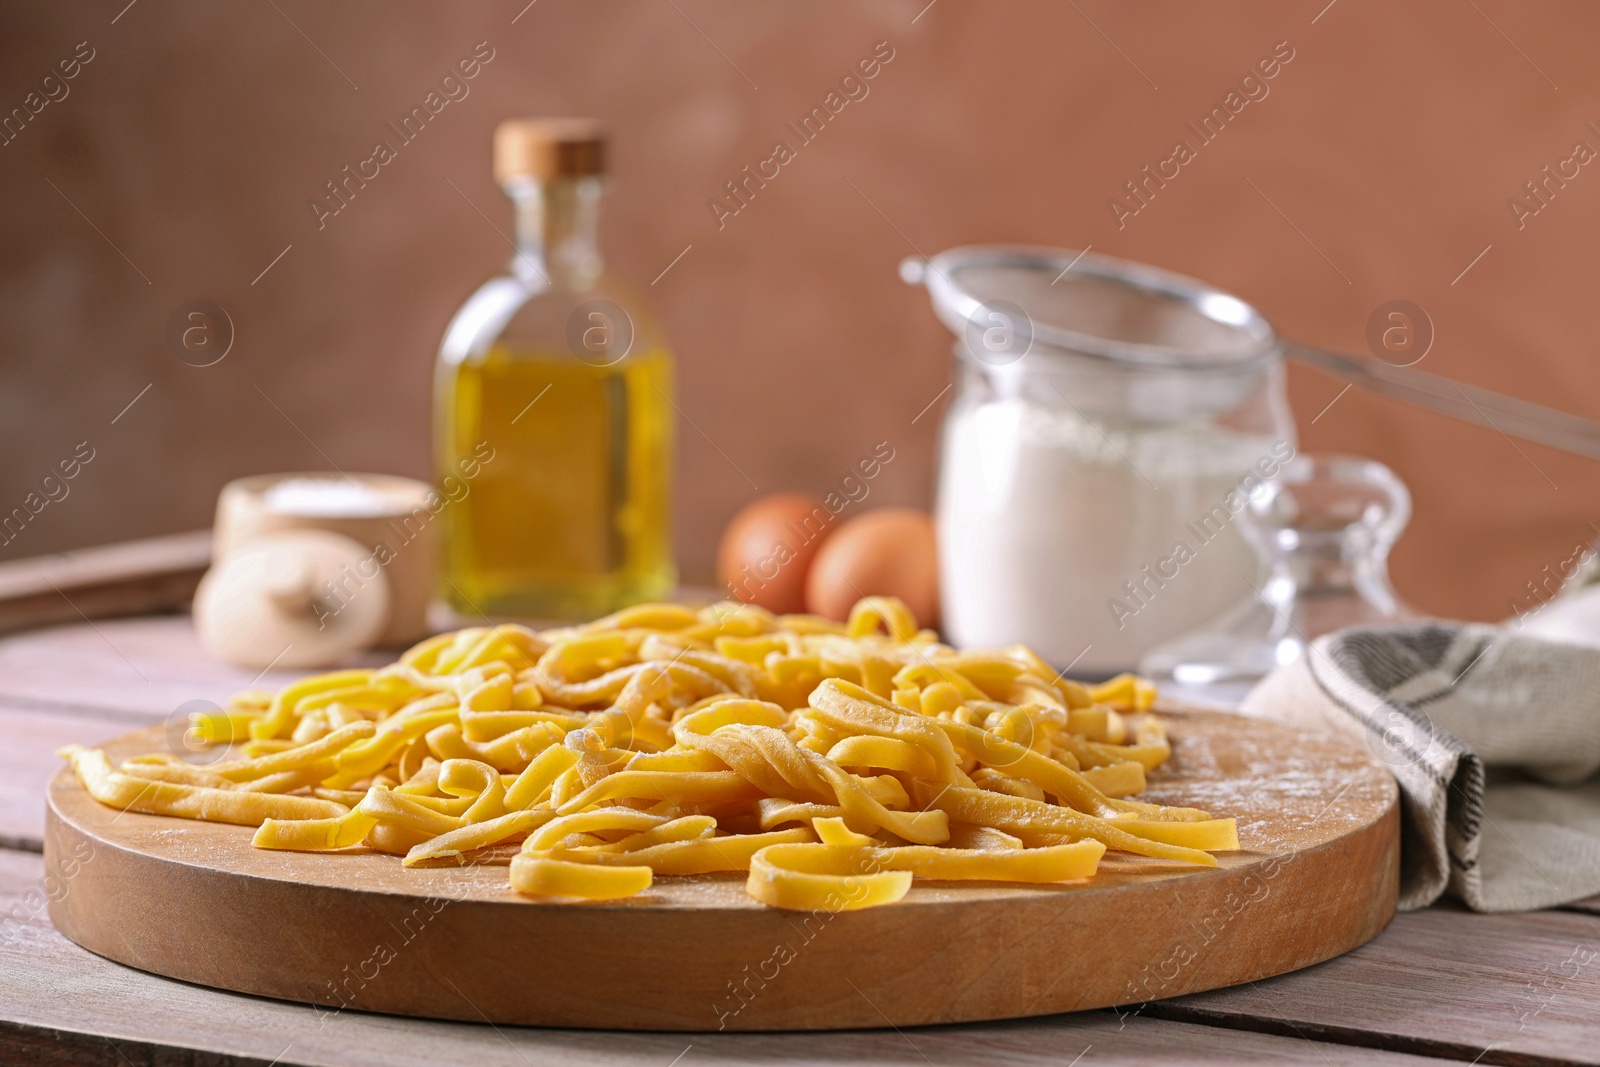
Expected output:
(1110, 420)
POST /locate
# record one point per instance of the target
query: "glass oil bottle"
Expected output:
(554, 410)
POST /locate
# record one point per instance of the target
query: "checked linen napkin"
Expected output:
(1494, 738)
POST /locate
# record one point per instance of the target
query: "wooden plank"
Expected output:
(149, 665)
(1439, 980)
(1444, 981)
(131, 578)
(28, 762)
(60, 1005)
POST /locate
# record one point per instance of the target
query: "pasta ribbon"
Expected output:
(812, 877)
(542, 876)
(315, 835)
(188, 801)
(830, 764)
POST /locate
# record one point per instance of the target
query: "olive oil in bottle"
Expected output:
(554, 389)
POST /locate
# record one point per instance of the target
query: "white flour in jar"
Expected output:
(1043, 516)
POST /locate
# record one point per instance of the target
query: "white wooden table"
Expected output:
(1438, 985)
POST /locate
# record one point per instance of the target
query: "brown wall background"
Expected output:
(195, 137)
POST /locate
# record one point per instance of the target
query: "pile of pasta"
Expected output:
(832, 762)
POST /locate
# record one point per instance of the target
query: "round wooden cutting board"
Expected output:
(1318, 818)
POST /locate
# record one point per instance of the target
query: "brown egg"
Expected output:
(884, 552)
(768, 548)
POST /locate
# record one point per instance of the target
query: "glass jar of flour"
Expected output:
(1109, 421)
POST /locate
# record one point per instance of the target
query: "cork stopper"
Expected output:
(543, 149)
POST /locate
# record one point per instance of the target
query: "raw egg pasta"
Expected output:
(832, 763)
